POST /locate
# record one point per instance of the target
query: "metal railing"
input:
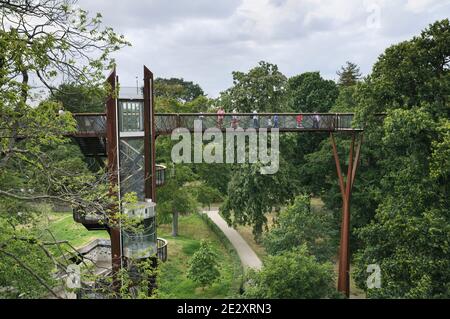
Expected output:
(90, 220)
(160, 175)
(162, 249)
(90, 124)
(166, 123)
(285, 122)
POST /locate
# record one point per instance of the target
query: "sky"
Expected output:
(204, 41)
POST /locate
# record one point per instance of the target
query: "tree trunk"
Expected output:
(175, 224)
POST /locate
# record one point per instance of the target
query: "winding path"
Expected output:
(248, 257)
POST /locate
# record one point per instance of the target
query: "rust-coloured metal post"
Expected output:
(111, 135)
(150, 152)
(149, 136)
(346, 190)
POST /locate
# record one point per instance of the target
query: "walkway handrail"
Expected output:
(162, 249)
(90, 124)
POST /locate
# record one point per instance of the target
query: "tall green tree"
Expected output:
(177, 196)
(309, 92)
(80, 99)
(261, 89)
(298, 224)
(179, 89)
(46, 41)
(408, 236)
(349, 74)
(252, 195)
(291, 275)
(203, 266)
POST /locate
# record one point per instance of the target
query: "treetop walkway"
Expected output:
(94, 124)
(127, 131)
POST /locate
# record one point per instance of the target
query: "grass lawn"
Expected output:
(63, 227)
(173, 281)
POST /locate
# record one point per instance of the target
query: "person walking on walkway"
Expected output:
(275, 121)
(255, 119)
(299, 120)
(316, 121)
(234, 119)
(220, 117)
(201, 117)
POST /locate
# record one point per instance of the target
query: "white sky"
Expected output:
(205, 40)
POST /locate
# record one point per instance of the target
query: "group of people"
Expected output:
(272, 122)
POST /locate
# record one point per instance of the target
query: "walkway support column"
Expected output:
(150, 152)
(149, 136)
(346, 191)
(111, 135)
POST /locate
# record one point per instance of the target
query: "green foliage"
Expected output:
(291, 275)
(297, 225)
(409, 237)
(214, 175)
(25, 266)
(178, 89)
(177, 196)
(203, 267)
(37, 164)
(173, 282)
(309, 92)
(80, 99)
(349, 74)
(440, 157)
(409, 234)
(261, 89)
(207, 195)
(414, 72)
(251, 195)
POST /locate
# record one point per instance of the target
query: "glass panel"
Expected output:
(131, 116)
(132, 166)
(143, 244)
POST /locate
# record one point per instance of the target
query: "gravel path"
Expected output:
(248, 257)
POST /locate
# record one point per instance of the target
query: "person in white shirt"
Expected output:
(234, 120)
(255, 119)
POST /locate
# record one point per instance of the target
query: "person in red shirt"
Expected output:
(299, 120)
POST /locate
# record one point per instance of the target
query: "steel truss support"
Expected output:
(346, 191)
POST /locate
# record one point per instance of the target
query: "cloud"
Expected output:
(205, 40)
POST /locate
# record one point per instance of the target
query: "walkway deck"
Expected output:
(94, 124)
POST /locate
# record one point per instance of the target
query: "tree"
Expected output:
(177, 196)
(80, 99)
(309, 92)
(349, 74)
(298, 225)
(261, 89)
(207, 195)
(203, 266)
(178, 89)
(408, 236)
(291, 275)
(251, 195)
(46, 40)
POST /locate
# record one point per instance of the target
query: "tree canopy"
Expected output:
(349, 74)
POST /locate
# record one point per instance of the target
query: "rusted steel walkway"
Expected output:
(94, 124)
